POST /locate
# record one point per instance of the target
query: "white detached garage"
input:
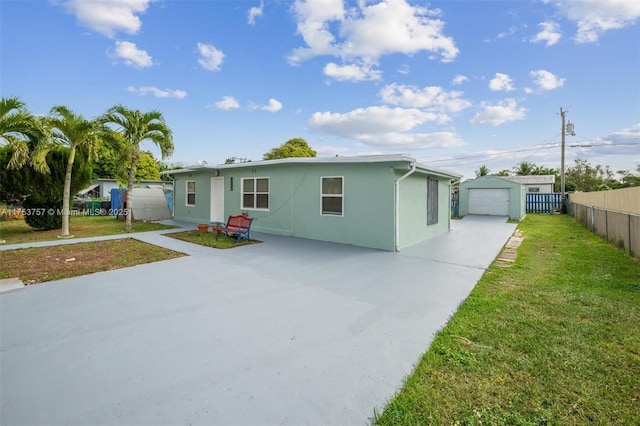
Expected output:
(492, 195)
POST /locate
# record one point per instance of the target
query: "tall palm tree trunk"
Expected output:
(66, 195)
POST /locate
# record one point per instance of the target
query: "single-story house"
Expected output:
(384, 201)
(493, 195)
(540, 184)
(101, 188)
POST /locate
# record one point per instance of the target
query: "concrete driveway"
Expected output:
(287, 332)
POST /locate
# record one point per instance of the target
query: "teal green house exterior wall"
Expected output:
(517, 194)
(382, 208)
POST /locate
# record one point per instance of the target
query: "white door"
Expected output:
(217, 200)
(493, 202)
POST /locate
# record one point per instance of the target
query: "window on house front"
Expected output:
(534, 189)
(332, 196)
(255, 193)
(191, 193)
(432, 201)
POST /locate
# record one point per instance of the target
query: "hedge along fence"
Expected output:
(620, 228)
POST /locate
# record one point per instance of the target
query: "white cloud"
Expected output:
(108, 17)
(371, 120)
(255, 12)
(549, 33)
(595, 17)
(130, 54)
(227, 102)
(366, 32)
(510, 32)
(404, 69)
(619, 148)
(414, 140)
(394, 26)
(273, 106)
(546, 80)
(210, 58)
(431, 98)
(158, 93)
(384, 126)
(351, 72)
(459, 79)
(500, 113)
(630, 134)
(313, 19)
(501, 82)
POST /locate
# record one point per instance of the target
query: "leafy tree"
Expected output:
(105, 165)
(42, 190)
(129, 128)
(79, 135)
(19, 130)
(482, 171)
(629, 178)
(147, 168)
(587, 177)
(296, 147)
(504, 172)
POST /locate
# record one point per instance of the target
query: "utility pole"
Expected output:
(562, 188)
(568, 128)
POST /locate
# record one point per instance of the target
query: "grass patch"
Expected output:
(17, 231)
(40, 264)
(209, 239)
(553, 340)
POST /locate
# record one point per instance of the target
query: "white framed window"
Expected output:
(191, 193)
(255, 193)
(534, 189)
(332, 196)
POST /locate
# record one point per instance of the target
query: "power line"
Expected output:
(535, 148)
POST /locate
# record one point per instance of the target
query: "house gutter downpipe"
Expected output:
(397, 230)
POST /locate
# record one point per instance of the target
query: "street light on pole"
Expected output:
(566, 129)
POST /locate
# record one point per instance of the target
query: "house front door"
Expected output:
(217, 200)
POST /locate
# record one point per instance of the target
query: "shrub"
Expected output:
(41, 214)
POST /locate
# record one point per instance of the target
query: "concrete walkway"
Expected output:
(286, 332)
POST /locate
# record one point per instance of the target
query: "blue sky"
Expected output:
(455, 84)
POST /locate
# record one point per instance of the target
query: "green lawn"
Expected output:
(17, 231)
(209, 239)
(552, 340)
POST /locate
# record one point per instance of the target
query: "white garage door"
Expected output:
(489, 201)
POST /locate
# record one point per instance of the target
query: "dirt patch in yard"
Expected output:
(41, 264)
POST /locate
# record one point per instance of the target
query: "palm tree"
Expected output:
(526, 169)
(77, 134)
(19, 129)
(130, 129)
(482, 171)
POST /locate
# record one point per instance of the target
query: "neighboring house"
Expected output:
(493, 195)
(386, 201)
(542, 184)
(101, 188)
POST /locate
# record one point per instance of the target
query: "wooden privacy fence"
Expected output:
(619, 228)
(543, 203)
